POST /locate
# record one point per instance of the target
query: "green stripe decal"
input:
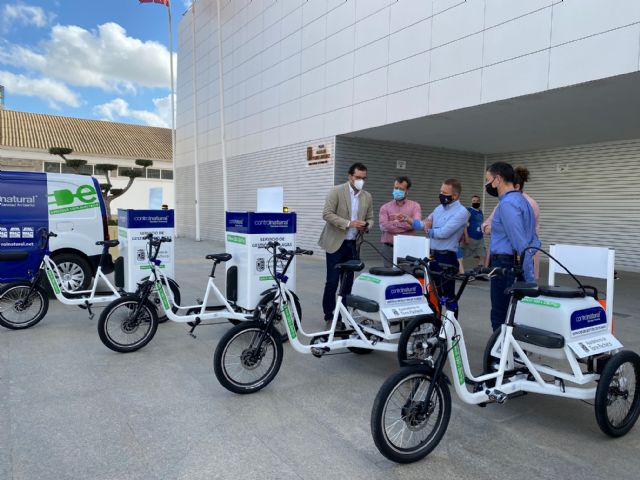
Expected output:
(459, 367)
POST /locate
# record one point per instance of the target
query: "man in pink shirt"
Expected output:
(397, 216)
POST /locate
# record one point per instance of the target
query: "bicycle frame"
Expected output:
(55, 280)
(168, 303)
(451, 333)
(291, 315)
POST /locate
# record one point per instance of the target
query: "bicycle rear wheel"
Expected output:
(121, 330)
(20, 309)
(617, 404)
(405, 425)
(240, 366)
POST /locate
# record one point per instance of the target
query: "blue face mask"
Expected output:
(398, 194)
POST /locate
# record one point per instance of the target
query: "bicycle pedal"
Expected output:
(319, 351)
(497, 396)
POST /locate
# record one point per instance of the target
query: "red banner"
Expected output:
(162, 2)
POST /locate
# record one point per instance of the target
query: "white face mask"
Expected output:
(359, 183)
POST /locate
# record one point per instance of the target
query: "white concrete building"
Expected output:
(426, 88)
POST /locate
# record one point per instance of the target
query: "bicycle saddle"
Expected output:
(386, 272)
(11, 256)
(219, 257)
(109, 243)
(523, 289)
(561, 292)
(351, 266)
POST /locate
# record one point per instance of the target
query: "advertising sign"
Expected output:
(133, 226)
(23, 211)
(247, 233)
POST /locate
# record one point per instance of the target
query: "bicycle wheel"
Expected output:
(618, 394)
(413, 344)
(155, 299)
(19, 309)
(120, 331)
(404, 425)
(238, 364)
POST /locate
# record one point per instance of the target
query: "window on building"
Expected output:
(167, 174)
(83, 170)
(153, 173)
(52, 167)
(120, 169)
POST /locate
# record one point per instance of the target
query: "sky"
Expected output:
(93, 59)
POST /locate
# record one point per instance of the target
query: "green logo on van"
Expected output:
(85, 197)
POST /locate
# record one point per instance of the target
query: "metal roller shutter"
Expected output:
(588, 195)
(305, 187)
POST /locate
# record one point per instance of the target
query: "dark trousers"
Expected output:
(447, 288)
(500, 300)
(347, 251)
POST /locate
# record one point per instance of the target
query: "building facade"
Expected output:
(291, 92)
(25, 139)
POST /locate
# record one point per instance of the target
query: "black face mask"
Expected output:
(493, 191)
(445, 199)
(476, 205)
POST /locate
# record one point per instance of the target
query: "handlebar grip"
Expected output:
(300, 251)
(165, 240)
(409, 258)
(51, 234)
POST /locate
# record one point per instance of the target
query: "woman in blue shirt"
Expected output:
(513, 229)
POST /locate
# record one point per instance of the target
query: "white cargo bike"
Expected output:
(556, 341)
(373, 317)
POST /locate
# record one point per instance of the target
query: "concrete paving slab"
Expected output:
(72, 409)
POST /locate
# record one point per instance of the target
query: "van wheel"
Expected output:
(75, 271)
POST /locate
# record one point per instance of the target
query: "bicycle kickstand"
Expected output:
(193, 327)
(87, 305)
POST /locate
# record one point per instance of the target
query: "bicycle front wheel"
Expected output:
(242, 365)
(406, 426)
(122, 329)
(21, 306)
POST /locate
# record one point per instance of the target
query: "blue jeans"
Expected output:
(347, 251)
(499, 299)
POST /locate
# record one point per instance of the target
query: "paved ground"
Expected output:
(72, 409)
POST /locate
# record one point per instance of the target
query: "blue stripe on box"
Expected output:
(260, 223)
(145, 218)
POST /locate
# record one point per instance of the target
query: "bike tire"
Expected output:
(409, 418)
(109, 322)
(414, 332)
(226, 350)
(610, 386)
(14, 292)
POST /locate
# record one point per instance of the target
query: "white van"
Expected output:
(68, 205)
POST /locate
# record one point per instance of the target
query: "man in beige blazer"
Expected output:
(348, 210)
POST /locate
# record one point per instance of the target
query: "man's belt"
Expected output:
(442, 252)
(502, 256)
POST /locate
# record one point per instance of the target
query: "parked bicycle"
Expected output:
(129, 323)
(23, 304)
(248, 357)
(411, 411)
